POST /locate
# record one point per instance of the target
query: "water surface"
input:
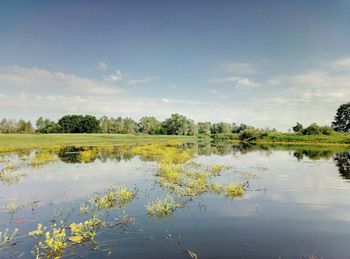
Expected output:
(296, 202)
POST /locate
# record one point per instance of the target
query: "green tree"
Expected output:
(342, 118)
(130, 126)
(298, 128)
(105, 124)
(46, 126)
(178, 125)
(313, 129)
(79, 124)
(221, 127)
(149, 125)
(204, 128)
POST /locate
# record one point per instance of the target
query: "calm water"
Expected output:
(296, 203)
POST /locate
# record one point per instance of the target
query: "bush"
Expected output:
(314, 129)
(252, 134)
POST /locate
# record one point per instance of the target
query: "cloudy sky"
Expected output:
(265, 63)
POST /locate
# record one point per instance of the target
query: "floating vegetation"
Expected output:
(177, 173)
(119, 197)
(84, 231)
(248, 176)
(217, 169)
(84, 209)
(162, 207)
(6, 239)
(234, 190)
(43, 157)
(12, 207)
(163, 153)
(217, 188)
(10, 177)
(89, 155)
(190, 179)
(50, 243)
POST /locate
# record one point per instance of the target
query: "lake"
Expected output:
(174, 200)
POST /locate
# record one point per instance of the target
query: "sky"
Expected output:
(264, 63)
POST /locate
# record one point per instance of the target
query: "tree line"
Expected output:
(176, 124)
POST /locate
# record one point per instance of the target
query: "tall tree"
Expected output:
(149, 125)
(204, 128)
(342, 118)
(79, 124)
(178, 125)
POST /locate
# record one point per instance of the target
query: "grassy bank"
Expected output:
(333, 139)
(289, 138)
(16, 141)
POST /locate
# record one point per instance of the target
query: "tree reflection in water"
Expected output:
(342, 161)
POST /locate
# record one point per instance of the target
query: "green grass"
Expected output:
(13, 141)
(335, 138)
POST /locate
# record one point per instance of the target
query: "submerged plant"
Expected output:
(12, 207)
(6, 239)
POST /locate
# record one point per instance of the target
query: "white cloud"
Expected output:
(115, 77)
(341, 64)
(239, 82)
(225, 79)
(165, 100)
(139, 81)
(102, 66)
(16, 78)
(246, 83)
(240, 68)
(309, 96)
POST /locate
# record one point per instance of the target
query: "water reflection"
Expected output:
(290, 200)
(342, 161)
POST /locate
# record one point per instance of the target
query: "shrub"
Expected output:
(252, 134)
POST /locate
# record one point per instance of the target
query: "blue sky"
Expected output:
(266, 63)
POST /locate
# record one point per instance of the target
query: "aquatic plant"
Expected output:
(89, 155)
(6, 239)
(234, 190)
(189, 179)
(164, 153)
(8, 177)
(84, 209)
(12, 207)
(217, 169)
(217, 188)
(119, 197)
(43, 157)
(84, 231)
(162, 207)
(51, 243)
